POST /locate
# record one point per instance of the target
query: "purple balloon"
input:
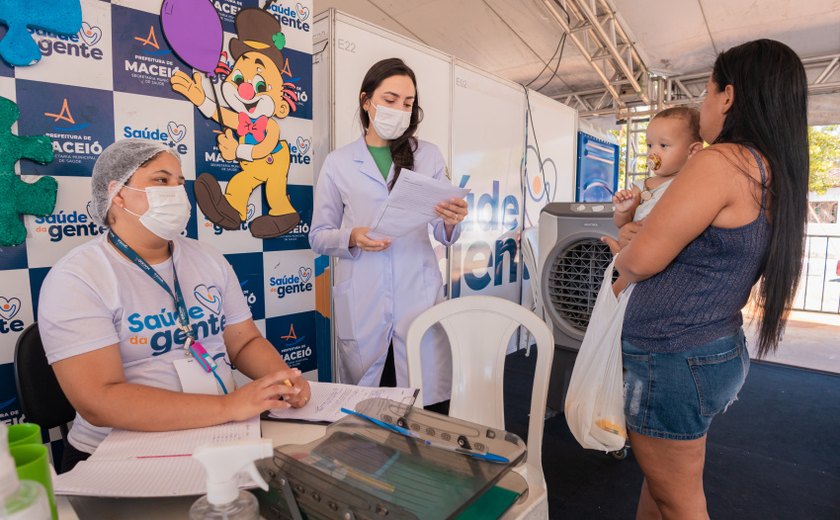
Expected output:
(194, 31)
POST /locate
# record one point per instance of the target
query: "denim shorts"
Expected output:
(675, 395)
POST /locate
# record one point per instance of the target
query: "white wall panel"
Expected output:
(357, 47)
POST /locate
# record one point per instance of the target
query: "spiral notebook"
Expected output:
(151, 464)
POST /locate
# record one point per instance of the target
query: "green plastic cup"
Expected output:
(24, 433)
(33, 463)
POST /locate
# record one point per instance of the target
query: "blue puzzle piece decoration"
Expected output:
(18, 196)
(18, 47)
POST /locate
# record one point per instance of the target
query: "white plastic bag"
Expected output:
(595, 399)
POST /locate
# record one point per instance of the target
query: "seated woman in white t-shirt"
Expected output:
(124, 351)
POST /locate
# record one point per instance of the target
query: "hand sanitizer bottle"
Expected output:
(223, 462)
(19, 499)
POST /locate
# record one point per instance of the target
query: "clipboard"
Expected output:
(327, 400)
(360, 470)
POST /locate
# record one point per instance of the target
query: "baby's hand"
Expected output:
(626, 201)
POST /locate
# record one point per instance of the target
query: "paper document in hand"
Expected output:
(151, 464)
(328, 399)
(411, 204)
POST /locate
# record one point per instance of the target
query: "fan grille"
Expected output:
(574, 279)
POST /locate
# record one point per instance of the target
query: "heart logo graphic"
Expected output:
(9, 308)
(209, 297)
(91, 34)
(302, 11)
(549, 178)
(303, 144)
(176, 131)
(87, 209)
(542, 185)
(537, 187)
(305, 273)
(250, 213)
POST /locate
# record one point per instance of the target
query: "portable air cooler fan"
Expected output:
(572, 262)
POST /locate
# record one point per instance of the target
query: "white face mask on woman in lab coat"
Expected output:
(169, 210)
(390, 123)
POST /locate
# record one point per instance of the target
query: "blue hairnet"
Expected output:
(114, 167)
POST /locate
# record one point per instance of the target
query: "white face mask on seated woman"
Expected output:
(169, 210)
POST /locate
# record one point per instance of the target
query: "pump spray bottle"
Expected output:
(223, 462)
(19, 499)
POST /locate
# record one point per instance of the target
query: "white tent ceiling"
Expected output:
(518, 39)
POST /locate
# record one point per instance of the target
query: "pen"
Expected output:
(489, 457)
(289, 384)
(361, 477)
(393, 427)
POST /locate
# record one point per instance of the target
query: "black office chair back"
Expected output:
(41, 399)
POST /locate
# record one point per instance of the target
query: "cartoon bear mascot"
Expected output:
(257, 96)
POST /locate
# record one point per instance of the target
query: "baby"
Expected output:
(673, 136)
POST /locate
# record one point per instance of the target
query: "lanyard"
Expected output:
(191, 346)
(180, 306)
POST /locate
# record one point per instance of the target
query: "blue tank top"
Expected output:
(698, 298)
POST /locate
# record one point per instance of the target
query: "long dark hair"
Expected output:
(404, 146)
(770, 113)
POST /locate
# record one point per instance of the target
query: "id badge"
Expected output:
(196, 380)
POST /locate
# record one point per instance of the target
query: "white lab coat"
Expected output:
(376, 295)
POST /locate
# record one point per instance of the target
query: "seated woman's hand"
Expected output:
(264, 394)
(300, 399)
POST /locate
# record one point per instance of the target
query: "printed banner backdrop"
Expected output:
(549, 172)
(552, 145)
(487, 157)
(111, 81)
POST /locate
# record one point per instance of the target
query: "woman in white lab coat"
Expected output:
(380, 286)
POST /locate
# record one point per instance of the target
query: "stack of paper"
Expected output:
(328, 399)
(411, 204)
(150, 464)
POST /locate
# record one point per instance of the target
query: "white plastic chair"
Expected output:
(530, 254)
(479, 329)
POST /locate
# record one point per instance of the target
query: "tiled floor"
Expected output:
(772, 455)
(811, 340)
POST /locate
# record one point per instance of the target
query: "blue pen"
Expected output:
(489, 457)
(393, 427)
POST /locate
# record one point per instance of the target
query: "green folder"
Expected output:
(491, 504)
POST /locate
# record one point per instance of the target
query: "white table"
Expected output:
(174, 507)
